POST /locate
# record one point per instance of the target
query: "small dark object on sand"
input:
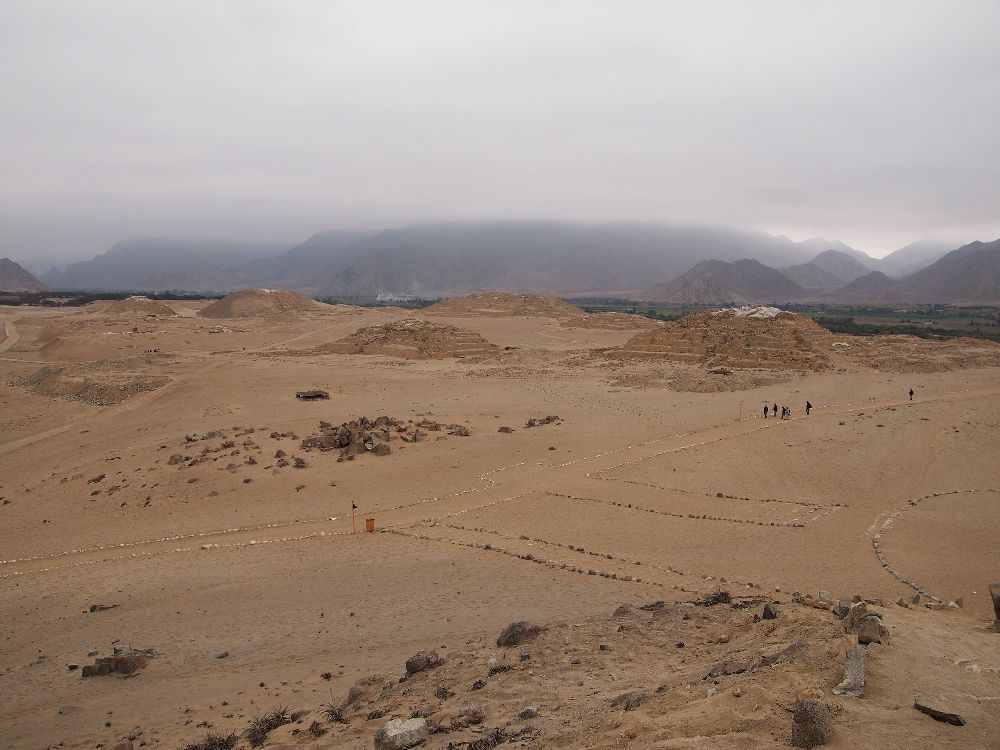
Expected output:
(311, 395)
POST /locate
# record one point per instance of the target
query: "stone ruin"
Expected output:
(364, 435)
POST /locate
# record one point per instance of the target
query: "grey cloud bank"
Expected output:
(874, 123)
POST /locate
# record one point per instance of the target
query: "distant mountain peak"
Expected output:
(13, 278)
(717, 282)
(828, 270)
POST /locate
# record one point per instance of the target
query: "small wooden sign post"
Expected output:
(354, 525)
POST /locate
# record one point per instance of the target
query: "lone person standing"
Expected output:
(911, 394)
(808, 407)
(765, 411)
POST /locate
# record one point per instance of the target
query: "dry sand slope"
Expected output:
(223, 543)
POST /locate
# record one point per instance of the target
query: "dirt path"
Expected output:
(11, 336)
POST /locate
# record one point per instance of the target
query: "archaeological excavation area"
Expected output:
(185, 560)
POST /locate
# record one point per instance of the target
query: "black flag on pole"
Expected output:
(354, 506)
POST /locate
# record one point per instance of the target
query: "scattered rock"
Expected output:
(770, 611)
(811, 724)
(841, 608)
(222, 655)
(935, 712)
(630, 701)
(101, 607)
(467, 717)
(505, 429)
(399, 734)
(530, 712)
(519, 632)
(729, 667)
(716, 597)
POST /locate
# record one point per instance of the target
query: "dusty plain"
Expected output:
(674, 493)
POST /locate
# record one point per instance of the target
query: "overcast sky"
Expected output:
(872, 122)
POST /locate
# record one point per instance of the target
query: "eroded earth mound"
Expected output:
(138, 306)
(759, 338)
(260, 303)
(506, 304)
(413, 339)
(913, 354)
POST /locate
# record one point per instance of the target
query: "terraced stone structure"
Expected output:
(757, 337)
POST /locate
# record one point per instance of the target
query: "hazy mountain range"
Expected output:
(453, 259)
(968, 275)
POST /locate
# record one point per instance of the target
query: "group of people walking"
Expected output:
(786, 411)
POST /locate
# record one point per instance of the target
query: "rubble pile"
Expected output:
(364, 435)
(539, 421)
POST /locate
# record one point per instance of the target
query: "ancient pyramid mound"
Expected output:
(612, 321)
(138, 306)
(750, 337)
(260, 303)
(506, 304)
(413, 339)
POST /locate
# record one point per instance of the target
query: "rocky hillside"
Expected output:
(13, 278)
(716, 282)
(719, 671)
(970, 274)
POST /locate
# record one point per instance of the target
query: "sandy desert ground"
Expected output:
(138, 471)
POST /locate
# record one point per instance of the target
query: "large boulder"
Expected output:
(399, 734)
(519, 632)
(423, 660)
(871, 630)
(811, 725)
(363, 691)
(855, 615)
(126, 664)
